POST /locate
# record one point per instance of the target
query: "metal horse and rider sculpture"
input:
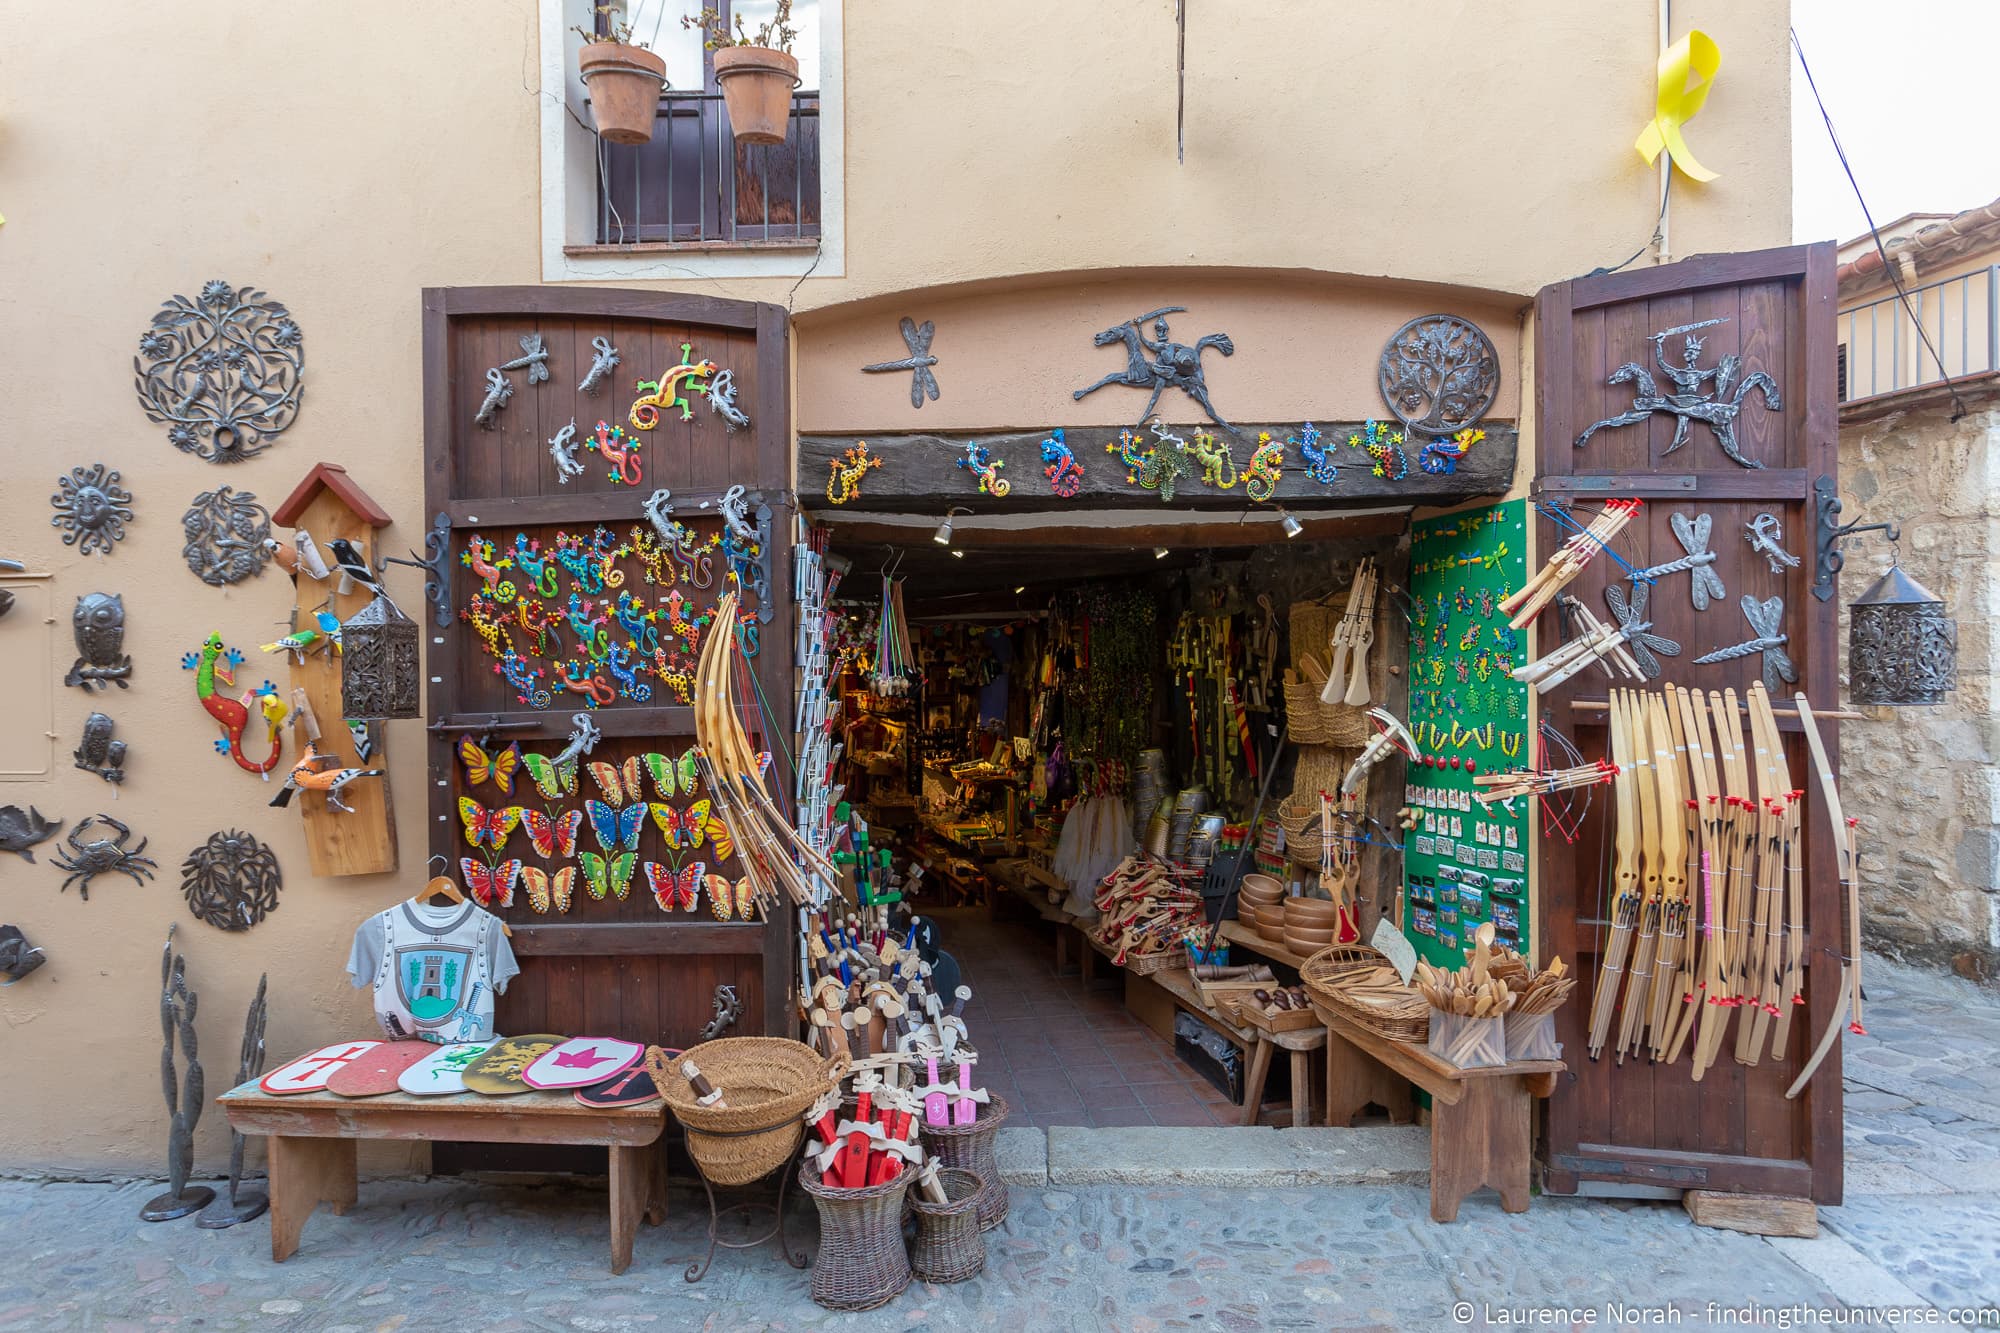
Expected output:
(1158, 363)
(1692, 400)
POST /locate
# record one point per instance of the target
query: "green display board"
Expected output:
(1466, 863)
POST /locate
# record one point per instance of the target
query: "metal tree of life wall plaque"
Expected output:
(223, 372)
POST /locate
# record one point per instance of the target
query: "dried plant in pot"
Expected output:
(756, 72)
(625, 81)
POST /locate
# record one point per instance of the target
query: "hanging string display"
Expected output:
(895, 664)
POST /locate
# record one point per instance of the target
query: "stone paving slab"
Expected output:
(1022, 1155)
(1244, 1158)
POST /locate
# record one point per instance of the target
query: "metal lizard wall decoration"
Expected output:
(1691, 401)
(601, 365)
(562, 448)
(1764, 533)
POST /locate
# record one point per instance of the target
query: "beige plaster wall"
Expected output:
(1923, 780)
(345, 156)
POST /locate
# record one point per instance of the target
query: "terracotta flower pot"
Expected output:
(757, 85)
(624, 83)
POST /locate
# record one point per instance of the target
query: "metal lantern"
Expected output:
(1902, 649)
(380, 678)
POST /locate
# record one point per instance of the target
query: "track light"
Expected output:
(943, 534)
(957, 554)
(1159, 553)
(1018, 591)
(1291, 525)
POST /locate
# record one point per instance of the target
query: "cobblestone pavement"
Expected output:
(1921, 1225)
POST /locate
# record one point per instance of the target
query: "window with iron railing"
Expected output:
(693, 185)
(1899, 342)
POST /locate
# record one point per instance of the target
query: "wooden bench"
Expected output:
(1482, 1127)
(311, 1140)
(1301, 1043)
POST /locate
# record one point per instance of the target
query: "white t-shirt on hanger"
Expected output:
(435, 970)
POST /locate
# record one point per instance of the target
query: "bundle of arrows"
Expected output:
(1567, 563)
(1347, 678)
(1708, 862)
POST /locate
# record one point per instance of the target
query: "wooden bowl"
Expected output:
(1247, 914)
(1272, 904)
(1272, 931)
(1262, 886)
(1308, 942)
(1313, 913)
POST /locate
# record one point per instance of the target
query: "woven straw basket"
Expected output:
(767, 1084)
(948, 1246)
(861, 1262)
(1408, 1020)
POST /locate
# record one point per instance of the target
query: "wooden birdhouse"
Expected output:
(324, 508)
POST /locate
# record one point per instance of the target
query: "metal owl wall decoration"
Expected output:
(99, 626)
(97, 752)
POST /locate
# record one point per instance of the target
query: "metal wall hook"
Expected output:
(1829, 533)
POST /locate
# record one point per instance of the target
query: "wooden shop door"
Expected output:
(1637, 1123)
(622, 968)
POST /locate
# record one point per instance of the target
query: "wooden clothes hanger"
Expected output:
(443, 884)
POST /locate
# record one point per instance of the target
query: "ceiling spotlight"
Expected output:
(957, 554)
(1159, 553)
(1023, 588)
(943, 534)
(1291, 525)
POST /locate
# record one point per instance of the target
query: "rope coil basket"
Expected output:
(948, 1246)
(1323, 974)
(767, 1084)
(861, 1262)
(1311, 626)
(970, 1148)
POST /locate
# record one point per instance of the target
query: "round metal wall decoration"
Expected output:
(92, 508)
(1439, 374)
(226, 530)
(231, 881)
(223, 373)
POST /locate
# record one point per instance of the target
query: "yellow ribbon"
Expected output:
(1694, 55)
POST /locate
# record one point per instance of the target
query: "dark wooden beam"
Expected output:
(1169, 532)
(919, 473)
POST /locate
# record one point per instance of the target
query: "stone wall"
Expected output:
(1922, 781)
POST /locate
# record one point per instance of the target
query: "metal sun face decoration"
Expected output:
(226, 530)
(92, 509)
(224, 373)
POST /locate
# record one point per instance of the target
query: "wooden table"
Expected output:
(312, 1135)
(1301, 1042)
(1482, 1129)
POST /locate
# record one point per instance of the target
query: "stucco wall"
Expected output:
(1922, 780)
(345, 156)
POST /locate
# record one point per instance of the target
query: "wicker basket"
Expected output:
(1146, 964)
(970, 1148)
(767, 1084)
(1407, 1020)
(1320, 769)
(948, 1246)
(861, 1262)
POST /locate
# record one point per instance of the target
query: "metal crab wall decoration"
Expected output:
(92, 509)
(226, 530)
(98, 624)
(223, 373)
(86, 859)
(231, 881)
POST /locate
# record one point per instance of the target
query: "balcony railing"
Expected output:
(1882, 352)
(695, 185)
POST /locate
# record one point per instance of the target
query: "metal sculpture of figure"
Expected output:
(312, 773)
(92, 508)
(1440, 457)
(21, 829)
(1764, 533)
(1698, 563)
(1766, 618)
(980, 462)
(562, 448)
(17, 957)
(226, 532)
(1385, 448)
(498, 390)
(601, 365)
(241, 1204)
(86, 859)
(223, 373)
(671, 390)
(186, 1091)
(1217, 462)
(1636, 627)
(97, 752)
(1692, 399)
(722, 400)
(1059, 465)
(98, 624)
(1172, 365)
(923, 382)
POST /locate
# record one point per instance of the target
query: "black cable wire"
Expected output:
(1888, 267)
(1666, 192)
